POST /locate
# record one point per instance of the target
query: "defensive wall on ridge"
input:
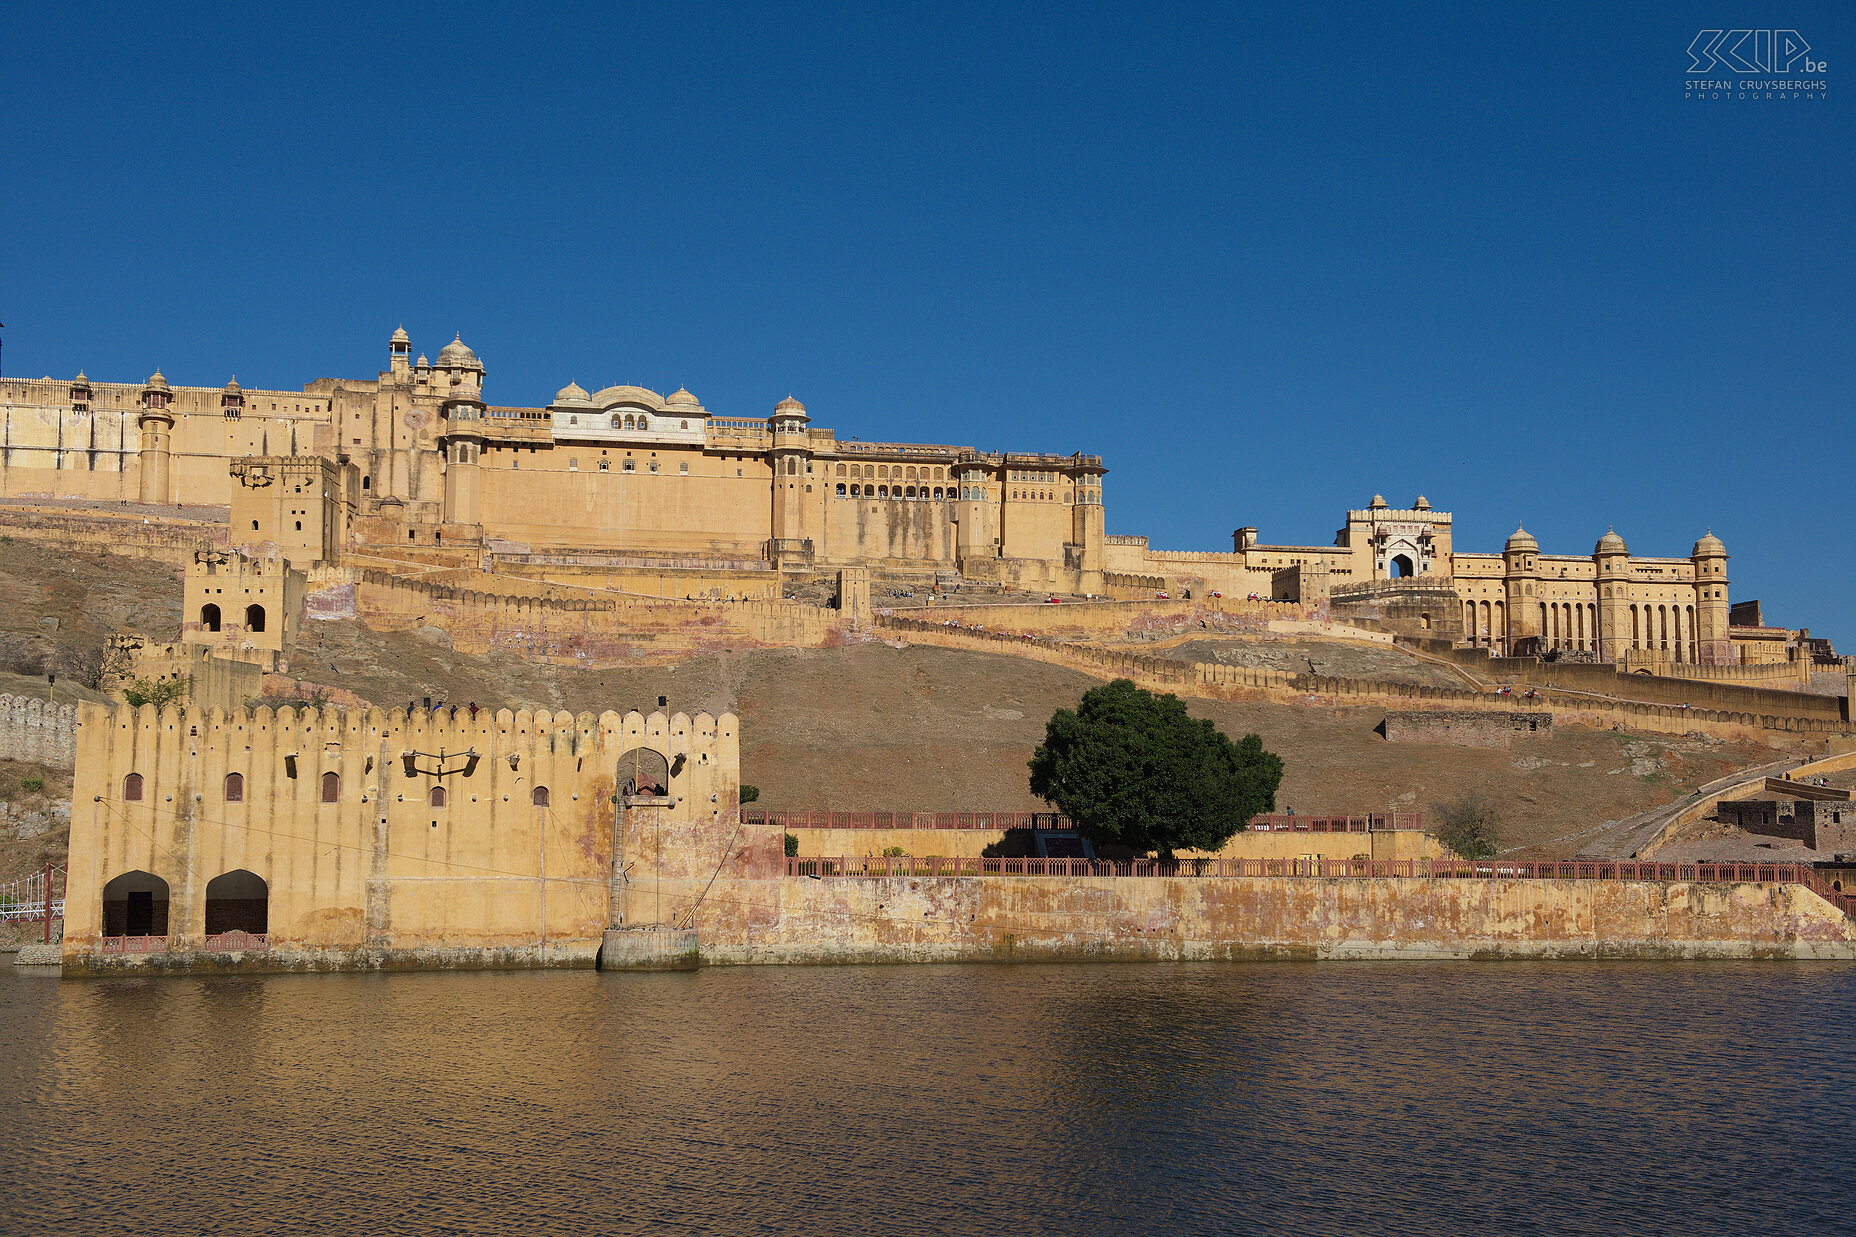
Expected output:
(583, 630)
(1792, 713)
(38, 731)
(166, 538)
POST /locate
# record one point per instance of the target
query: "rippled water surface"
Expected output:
(1343, 1098)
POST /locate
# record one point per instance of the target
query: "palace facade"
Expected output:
(415, 459)
(420, 458)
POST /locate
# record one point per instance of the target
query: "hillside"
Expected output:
(873, 725)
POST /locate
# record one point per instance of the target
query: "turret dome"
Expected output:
(1423, 504)
(1379, 503)
(789, 407)
(457, 355)
(1710, 546)
(681, 396)
(1521, 539)
(81, 379)
(400, 336)
(1610, 543)
(233, 384)
(570, 394)
(156, 381)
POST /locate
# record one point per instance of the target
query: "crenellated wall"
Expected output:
(38, 731)
(1781, 714)
(584, 630)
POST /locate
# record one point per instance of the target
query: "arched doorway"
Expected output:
(254, 618)
(237, 901)
(1401, 566)
(644, 772)
(209, 617)
(135, 904)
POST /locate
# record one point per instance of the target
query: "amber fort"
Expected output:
(659, 495)
(260, 820)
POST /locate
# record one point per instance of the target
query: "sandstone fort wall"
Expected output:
(38, 731)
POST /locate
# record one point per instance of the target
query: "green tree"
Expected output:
(1469, 826)
(1132, 769)
(157, 692)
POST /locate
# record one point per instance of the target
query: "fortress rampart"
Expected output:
(374, 838)
(1786, 713)
(38, 731)
(583, 629)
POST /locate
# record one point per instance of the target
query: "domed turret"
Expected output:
(1378, 504)
(1709, 546)
(156, 382)
(570, 394)
(81, 381)
(1521, 539)
(1423, 504)
(422, 363)
(400, 336)
(683, 399)
(789, 407)
(457, 355)
(1609, 544)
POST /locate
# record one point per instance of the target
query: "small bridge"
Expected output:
(25, 898)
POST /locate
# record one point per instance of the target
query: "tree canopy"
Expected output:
(1132, 769)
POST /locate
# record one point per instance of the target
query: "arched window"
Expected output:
(909, 492)
(911, 475)
(882, 491)
(1401, 566)
(615, 420)
(254, 526)
(299, 526)
(235, 788)
(792, 467)
(331, 787)
(209, 617)
(437, 797)
(840, 470)
(132, 788)
(840, 489)
(254, 618)
(367, 483)
(937, 491)
(539, 796)
(856, 492)
(883, 472)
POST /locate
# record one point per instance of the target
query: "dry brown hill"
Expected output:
(875, 725)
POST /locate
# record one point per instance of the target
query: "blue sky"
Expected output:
(1266, 260)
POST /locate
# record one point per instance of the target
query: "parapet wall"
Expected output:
(1697, 693)
(583, 630)
(38, 731)
(1465, 727)
(163, 538)
(1243, 682)
(1095, 619)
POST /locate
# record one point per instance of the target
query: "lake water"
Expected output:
(1339, 1098)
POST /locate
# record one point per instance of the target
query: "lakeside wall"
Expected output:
(1017, 918)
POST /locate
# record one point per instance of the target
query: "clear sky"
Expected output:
(1266, 260)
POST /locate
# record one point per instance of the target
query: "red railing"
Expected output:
(1328, 869)
(1284, 823)
(808, 818)
(226, 942)
(134, 945)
